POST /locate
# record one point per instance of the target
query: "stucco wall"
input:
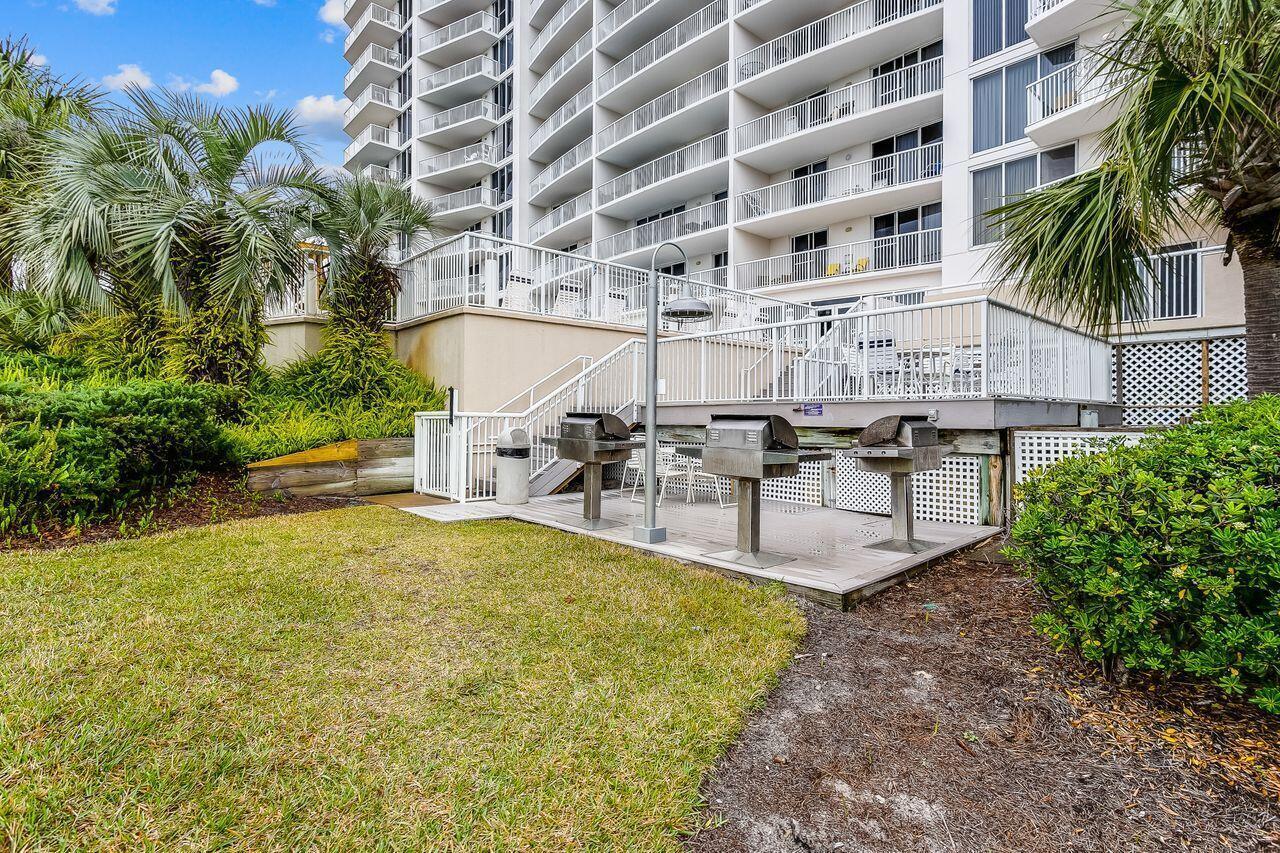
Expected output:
(289, 341)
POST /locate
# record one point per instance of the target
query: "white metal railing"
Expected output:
(903, 167)
(373, 53)
(678, 162)
(385, 174)
(463, 112)
(825, 32)
(1040, 7)
(856, 99)
(1063, 89)
(559, 215)
(481, 270)
(374, 133)
(1173, 286)
(575, 53)
(864, 256)
(459, 71)
(470, 197)
(475, 22)
(562, 116)
(481, 152)
(553, 26)
(703, 218)
(374, 14)
(664, 44)
(576, 155)
(620, 14)
(685, 95)
(375, 94)
(717, 276)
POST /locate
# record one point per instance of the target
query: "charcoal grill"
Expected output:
(595, 439)
(900, 445)
(749, 449)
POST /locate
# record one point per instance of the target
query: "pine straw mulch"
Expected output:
(932, 718)
(211, 499)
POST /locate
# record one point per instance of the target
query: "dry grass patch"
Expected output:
(362, 678)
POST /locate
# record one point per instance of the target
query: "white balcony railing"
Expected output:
(385, 174)
(374, 14)
(459, 114)
(553, 26)
(903, 167)
(471, 197)
(685, 95)
(693, 221)
(575, 156)
(825, 32)
(374, 53)
(1063, 89)
(475, 22)
(460, 71)
(557, 216)
(705, 19)
(481, 152)
(375, 94)
(563, 114)
(678, 162)
(876, 255)
(571, 57)
(1040, 7)
(620, 14)
(374, 134)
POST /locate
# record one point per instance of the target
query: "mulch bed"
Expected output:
(933, 719)
(211, 499)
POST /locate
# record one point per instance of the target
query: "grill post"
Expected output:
(748, 516)
(903, 507)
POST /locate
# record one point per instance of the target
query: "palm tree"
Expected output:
(359, 220)
(1197, 140)
(199, 203)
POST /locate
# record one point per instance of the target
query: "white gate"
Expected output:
(431, 457)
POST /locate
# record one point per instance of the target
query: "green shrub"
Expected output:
(1166, 555)
(78, 454)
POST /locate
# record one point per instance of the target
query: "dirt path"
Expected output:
(932, 719)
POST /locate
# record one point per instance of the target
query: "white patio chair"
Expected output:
(720, 485)
(668, 464)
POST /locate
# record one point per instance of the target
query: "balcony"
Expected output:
(465, 208)
(569, 22)
(564, 224)
(375, 144)
(698, 231)
(378, 65)
(860, 36)
(633, 22)
(444, 11)
(465, 123)
(894, 181)
(383, 174)
(465, 81)
(471, 36)
(1050, 22)
(462, 167)
(569, 73)
(693, 170)
(835, 264)
(353, 9)
(563, 128)
(691, 47)
(378, 25)
(1071, 102)
(866, 110)
(567, 175)
(375, 105)
(687, 112)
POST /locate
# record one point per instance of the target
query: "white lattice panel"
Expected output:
(1164, 380)
(953, 493)
(1034, 449)
(804, 488)
(1228, 379)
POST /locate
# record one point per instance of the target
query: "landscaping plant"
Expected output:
(1165, 556)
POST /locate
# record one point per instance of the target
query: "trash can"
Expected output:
(514, 466)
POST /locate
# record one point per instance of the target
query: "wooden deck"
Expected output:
(831, 564)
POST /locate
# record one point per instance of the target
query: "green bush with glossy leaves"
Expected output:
(1165, 556)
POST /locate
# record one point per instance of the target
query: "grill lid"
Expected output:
(594, 426)
(751, 432)
(899, 431)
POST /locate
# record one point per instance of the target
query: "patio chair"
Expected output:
(668, 464)
(691, 470)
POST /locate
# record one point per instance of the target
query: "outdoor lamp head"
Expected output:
(687, 309)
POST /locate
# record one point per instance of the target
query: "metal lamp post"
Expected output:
(687, 308)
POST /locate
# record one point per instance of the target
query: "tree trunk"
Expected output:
(1260, 265)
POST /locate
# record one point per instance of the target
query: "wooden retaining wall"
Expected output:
(356, 467)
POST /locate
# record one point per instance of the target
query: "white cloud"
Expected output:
(39, 60)
(324, 114)
(97, 7)
(328, 36)
(129, 75)
(330, 12)
(220, 84)
(265, 2)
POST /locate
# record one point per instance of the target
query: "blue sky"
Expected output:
(237, 51)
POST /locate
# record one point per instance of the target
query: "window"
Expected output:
(1173, 285)
(887, 170)
(1000, 98)
(995, 185)
(911, 82)
(719, 260)
(673, 269)
(810, 191)
(898, 239)
(810, 255)
(645, 220)
(998, 24)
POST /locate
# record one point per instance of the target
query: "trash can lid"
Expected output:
(514, 438)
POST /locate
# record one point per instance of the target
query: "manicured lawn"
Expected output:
(362, 678)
